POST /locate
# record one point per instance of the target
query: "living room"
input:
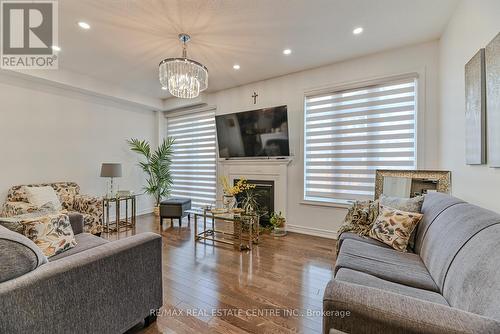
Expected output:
(223, 166)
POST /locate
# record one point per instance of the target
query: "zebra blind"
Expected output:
(350, 134)
(194, 160)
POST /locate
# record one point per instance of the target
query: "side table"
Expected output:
(130, 214)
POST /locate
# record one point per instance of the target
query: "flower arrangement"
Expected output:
(240, 186)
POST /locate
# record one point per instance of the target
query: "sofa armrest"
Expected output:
(76, 220)
(11, 209)
(106, 289)
(372, 310)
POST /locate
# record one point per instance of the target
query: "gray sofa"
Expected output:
(96, 287)
(450, 283)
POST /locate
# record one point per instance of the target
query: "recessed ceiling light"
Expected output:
(84, 25)
(287, 51)
(56, 48)
(164, 88)
(357, 31)
(236, 66)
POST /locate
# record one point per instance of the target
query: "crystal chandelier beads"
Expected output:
(183, 77)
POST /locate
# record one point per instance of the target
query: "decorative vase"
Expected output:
(229, 202)
(156, 211)
(279, 230)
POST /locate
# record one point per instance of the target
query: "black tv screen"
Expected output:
(255, 133)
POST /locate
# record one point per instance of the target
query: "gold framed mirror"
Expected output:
(411, 183)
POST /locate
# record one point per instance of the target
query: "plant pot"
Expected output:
(156, 211)
(278, 232)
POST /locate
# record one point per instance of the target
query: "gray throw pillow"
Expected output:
(18, 255)
(413, 204)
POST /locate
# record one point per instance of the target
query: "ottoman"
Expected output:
(175, 208)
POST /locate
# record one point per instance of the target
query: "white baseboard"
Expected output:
(145, 211)
(312, 231)
(142, 212)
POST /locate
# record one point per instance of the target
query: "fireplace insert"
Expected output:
(264, 190)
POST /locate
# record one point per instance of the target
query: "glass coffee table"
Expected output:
(245, 228)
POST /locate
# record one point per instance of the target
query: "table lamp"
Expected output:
(111, 170)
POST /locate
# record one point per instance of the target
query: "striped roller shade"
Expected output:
(194, 162)
(349, 134)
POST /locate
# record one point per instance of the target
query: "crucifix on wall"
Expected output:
(254, 96)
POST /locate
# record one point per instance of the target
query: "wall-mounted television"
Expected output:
(254, 133)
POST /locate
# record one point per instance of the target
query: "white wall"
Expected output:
(289, 90)
(473, 25)
(52, 134)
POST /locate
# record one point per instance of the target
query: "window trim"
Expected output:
(418, 76)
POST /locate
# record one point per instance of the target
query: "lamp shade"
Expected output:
(111, 170)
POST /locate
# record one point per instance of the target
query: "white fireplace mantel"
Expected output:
(259, 169)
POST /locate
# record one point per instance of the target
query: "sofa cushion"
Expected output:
(84, 241)
(413, 204)
(394, 227)
(52, 233)
(473, 279)
(18, 255)
(14, 223)
(353, 236)
(41, 196)
(357, 277)
(434, 204)
(449, 232)
(385, 263)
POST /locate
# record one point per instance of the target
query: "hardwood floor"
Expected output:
(276, 288)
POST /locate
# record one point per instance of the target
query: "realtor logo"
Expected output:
(29, 30)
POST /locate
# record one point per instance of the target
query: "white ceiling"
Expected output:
(128, 38)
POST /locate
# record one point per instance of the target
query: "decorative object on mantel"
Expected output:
(475, 110)
(111, 170)
(230, 192)
(492, 60)
(411, 183)
(183, 77)
(156, 166)
(278, 222)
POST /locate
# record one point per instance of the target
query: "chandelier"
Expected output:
(183, 77)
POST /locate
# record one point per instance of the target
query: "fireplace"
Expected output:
(265, 197)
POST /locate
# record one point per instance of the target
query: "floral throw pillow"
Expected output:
(394, 227)
(52, 233)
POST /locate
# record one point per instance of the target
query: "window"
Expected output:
(194, 161)
(351, 133)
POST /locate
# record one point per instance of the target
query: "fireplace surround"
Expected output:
(275, 170)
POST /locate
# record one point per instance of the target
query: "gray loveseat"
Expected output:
(97, 287)
(449, 284)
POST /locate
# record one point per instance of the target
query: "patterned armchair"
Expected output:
(71, 200)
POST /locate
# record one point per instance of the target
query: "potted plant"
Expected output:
(249, 201)
(156, 166)
(278, 222)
